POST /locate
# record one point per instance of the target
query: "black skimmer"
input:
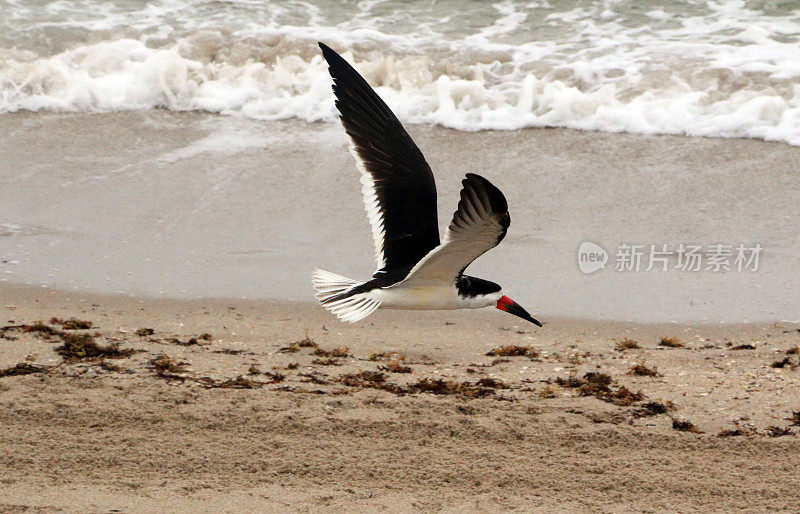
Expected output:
(415, 269)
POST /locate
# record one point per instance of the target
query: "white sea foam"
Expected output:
(718, 69)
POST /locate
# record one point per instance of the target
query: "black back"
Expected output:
(472, 286)
(403, 181)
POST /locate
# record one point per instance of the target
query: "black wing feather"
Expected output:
(479, 224)
(403, 181)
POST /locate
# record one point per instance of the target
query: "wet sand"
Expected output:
(352, 432)
(194, 205)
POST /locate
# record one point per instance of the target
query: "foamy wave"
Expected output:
(730, 72)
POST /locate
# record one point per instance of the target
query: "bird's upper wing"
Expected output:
(479, 224)
(398, 185)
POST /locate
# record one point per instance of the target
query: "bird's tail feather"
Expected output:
(332, 292)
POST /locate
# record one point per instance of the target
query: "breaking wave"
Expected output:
(719, 69)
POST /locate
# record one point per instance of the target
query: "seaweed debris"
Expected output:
(166, 366)
(775, 431)
(23, 368)
(627, 344)
(79, 347)
(684, 425)
(643, 371)
(75, 324)
(513, 351)
(327, 362)
(395, 367)
(445, 387)
(653, 408)
(192, 341)
(599, 385)
(671, 342)
(336, 352)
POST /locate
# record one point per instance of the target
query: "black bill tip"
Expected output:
(510, 306)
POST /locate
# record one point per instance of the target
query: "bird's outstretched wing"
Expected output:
(398, 185)
(479, 224)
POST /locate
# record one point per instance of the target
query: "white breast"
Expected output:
(433, 297)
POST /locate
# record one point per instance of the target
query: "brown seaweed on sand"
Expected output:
(670, 342)
(775, 431)
(447, 387)
(643, 371)
(166, 365)
(336, 352)
(684, 425)
(327, 362)
(653, 408)
(192, 341)
(76, 324)
(370, 379)
(627, 344)
(78, 347)
(395, 367)
(23, 368)
(513, 351)
(599, 385)
(306, 342)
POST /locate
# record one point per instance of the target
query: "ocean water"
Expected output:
(725, 68)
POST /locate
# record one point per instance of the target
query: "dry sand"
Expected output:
(79, 437)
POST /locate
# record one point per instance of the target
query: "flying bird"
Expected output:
(415, 269)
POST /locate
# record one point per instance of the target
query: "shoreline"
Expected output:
(190, 205)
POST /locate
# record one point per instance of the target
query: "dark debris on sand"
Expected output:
(166, 366)
(306, 342)
(78, 347)
(335, 353)
(327, 362)
(627, 344)
(376, 380)
(513, 351)
(643, 371)
(395, 367)
(23, 368)
(775, 431)
(684, 425)
(443, 387)
(671, 342)
(599, 385)
(72, 323)
(192, 341)
(653, 408)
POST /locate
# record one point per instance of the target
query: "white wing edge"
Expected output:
(372, 206)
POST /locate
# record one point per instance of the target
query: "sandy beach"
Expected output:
(227, 405)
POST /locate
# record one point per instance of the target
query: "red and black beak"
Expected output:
(510, 306)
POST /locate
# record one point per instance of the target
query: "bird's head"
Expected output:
(483, 293)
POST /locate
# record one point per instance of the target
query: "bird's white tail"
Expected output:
(349, 308)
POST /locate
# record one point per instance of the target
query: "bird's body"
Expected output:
(416, 270)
